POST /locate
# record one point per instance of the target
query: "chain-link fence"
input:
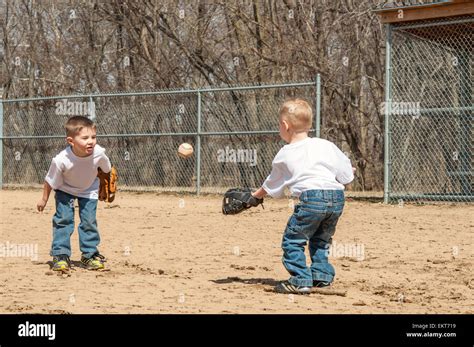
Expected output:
(234, 132)
(430, 110)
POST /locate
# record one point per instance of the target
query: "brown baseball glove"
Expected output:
(108, 184)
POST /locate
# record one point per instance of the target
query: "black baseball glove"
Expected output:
(236, 200)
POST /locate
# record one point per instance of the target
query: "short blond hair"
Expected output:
(298, 113)
(75, 124)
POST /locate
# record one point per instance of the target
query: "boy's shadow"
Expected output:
(265, 281)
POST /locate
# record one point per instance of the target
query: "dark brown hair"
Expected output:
(75, 124)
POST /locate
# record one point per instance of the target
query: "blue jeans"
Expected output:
(314, 220)
(63, 225)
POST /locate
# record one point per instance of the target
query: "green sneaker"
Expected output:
(96, 262)
(61, 263)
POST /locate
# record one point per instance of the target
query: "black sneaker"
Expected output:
(321, 284)
(288, 288)
(61, 263)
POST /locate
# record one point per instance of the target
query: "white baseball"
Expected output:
(185, 150)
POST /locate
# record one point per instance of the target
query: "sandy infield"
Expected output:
(179, 254)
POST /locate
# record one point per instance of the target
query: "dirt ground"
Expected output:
(179, 254)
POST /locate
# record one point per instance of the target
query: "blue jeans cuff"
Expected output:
(298, 282)
(323, 278)
(88, 255)
(60, 252)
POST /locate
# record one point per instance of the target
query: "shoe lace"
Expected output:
(99, 256)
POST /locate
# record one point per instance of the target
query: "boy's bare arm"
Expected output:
(44, 200)
(260, 193)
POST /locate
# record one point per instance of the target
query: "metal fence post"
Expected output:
(198, 145)
(1, 141)
(388, 110)
(317, 126)
(465, 122)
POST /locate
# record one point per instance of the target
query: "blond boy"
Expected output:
(315, 171)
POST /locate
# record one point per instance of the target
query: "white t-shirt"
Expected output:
(308, 164)
(78, 175)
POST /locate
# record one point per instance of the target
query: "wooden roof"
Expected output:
(440, 9)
